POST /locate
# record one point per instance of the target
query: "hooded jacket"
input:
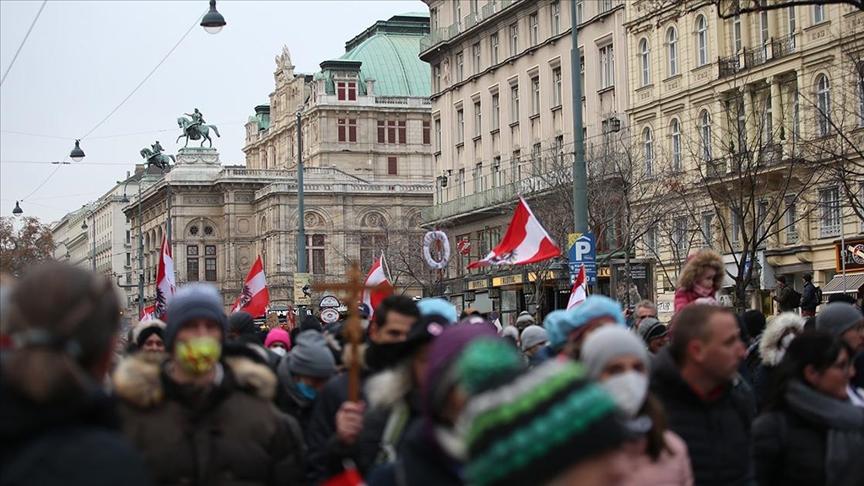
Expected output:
(771, 353)
(717, 431)
(76, 442)
(684, 293)
(230, 434)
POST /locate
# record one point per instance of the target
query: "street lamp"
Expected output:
(213, 21)
(77, 154)
(17, 211)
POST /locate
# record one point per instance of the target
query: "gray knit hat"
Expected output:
(532, 336)
(524, 320)
(311, 356)
(195, 301)
(838, 317)
(608, 343)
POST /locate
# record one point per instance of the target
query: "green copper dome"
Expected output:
(389, 53)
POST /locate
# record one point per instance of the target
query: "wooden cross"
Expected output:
(352, 291)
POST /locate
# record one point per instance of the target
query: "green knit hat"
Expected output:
(537, 426)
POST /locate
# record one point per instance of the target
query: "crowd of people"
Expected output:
(593, 395)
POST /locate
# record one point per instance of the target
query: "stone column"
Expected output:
(752, 117)
(803, 114)
(777, 106)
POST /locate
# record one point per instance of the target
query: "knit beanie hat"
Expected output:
(195, 301)
(559, 324)
(537, 426)
(241, 323)
(278, 335)
(608, 343)
(838, 317)
(532, 336)
(144, 329)
(524, 320)
(310, 356)
(311, 323)
(442, 353)
(439, 306)
(650, 328)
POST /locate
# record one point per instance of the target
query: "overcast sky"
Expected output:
(83, 58)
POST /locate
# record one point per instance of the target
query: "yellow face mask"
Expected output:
(198, 355)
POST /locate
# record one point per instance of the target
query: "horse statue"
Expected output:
(194, 129)
(156, 157)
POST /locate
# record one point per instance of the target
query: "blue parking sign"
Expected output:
(581, 251)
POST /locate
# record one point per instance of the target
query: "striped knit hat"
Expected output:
(534, 428)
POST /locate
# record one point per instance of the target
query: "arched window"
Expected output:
(705, 134)
(701, 40)
(672, 50)
(645, 60)
(648, 150)
(675, 134)
(823, 104)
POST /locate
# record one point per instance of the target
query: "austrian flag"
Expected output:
(525, 242)
(166, 285)
(377, 286)
(255, 297)
(579, 292)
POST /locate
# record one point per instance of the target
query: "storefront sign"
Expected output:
(302, 289)
(478, 284)
(470, 297)
(604, 272)
(853, 253)
(507, 280)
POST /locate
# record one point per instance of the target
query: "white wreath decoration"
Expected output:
(428, 239)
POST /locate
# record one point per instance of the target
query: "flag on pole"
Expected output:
(165, 281)
(525, 242)
(148, 313)
(579, 292)
(376, 276)
(255, 297)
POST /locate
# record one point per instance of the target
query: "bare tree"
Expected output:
(30, 244)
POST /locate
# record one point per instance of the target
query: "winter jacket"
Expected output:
(670, 469)
(421, 462)
(792, 445)
(228, 434)
(76, 442)
(788, 299)
(684, 297)
(290, 400)
(716, 431)
(809, 298)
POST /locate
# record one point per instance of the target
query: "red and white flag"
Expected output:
(377, 277)
(464, 246)
(255, 297)
(148, 313)
(525, 242)
(166, 284)
(579, 292)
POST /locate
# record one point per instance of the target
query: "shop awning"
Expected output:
(835, 286)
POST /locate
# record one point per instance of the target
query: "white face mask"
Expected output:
(280, 351)
(628, 389)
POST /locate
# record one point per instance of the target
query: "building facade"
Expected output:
(502, 127)
(367, 154)
(758, 113)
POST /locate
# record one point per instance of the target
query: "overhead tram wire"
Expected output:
(23, 41)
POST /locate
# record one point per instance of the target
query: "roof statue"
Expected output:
(154, 156)
(283, 62)
(195, 128)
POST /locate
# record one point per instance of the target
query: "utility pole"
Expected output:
(580, 174)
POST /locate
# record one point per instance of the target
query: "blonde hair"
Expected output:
(696, 266)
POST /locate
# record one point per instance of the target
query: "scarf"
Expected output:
(844, 423)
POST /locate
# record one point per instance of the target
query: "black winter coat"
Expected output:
(788, 450)
(717, 432)
(809, 299)
(73, 443)
(229, 434)
(421, 463)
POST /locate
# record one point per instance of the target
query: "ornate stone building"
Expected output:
(367, 156)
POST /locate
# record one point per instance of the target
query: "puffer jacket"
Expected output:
(228, 435)
(717, 432)
(788, 450)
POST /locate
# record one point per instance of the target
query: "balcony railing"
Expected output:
(754, 56)
(829, 229)
(489, 198)
(728, 66)
(444, 34)
(783, 46)
(716, 168)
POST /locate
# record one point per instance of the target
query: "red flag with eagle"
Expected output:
(255, 297)
(377, 276)
(579, 292)
(525, 242)
(148, 313)
(166, 284)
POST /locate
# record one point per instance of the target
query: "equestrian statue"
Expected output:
(194, 127)
(154, 156)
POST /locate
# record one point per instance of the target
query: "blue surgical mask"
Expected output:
(306, 391)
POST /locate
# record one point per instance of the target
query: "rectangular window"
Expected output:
(391, 131)
(191, 269)
(315, 254)
(346, 90)
(128, 259)
(427, 136)
(556, 87)
(555, 15)
(392, 166)
(496, 112)
(460, 126)
(342, 129)
(818, 13)
(707, 229)
(437, 134)
(737, 226)
(461, 182)
(536, 161)
(460, 66)
(790, 220)
(515, 166)
(210, 269)
(382, 132)
(605, 5)
(475, 55)
(493, 48)
(680, 235)
(514, 103)
(535, 95)
(371, 246)
(496, 171)
(457, 13)
(128, 237)
(607, 66)
(736, 34)
(478, 119)
(792, 25)
(651, 241)
(478, 178)
(514, 39)
(403, 132)
(559, 149)
(533, 28)
(829, 202)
